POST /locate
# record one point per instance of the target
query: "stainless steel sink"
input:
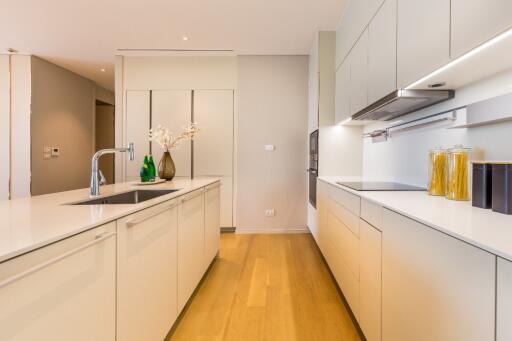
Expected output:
(132, 197)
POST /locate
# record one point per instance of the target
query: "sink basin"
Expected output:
(132, 197)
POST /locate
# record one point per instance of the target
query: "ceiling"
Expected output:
(84, 35)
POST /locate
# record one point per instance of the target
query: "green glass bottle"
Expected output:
(152, 169)
(144, 170)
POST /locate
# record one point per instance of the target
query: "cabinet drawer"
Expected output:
(345, 242)
(347, 282)
(350, 201)
(371, 213)
(63, 291)
(345, 216)
(147, 273)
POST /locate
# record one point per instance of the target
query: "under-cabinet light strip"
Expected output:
(465, 56)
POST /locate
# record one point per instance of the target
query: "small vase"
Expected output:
(166, 167)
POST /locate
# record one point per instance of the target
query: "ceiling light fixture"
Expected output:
(185, 38)
(11, 50)
(103, 70)
(465, 56)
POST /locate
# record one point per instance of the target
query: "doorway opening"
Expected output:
(105, 137)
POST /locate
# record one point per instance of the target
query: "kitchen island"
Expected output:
(105, 272)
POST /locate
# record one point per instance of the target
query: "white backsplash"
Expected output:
(403, 157)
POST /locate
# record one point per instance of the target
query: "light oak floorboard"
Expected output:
(267, 287)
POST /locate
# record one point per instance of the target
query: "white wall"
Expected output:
(4, 126)
(272, 109)
(404, 157)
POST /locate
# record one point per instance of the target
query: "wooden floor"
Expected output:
(267, 287)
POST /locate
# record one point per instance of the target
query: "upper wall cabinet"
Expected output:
(475, 21)
(359, 74)
(354, 21)
(382, 52)
(423, 38)
(342, 98)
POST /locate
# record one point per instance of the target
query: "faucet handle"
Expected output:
(103, 180)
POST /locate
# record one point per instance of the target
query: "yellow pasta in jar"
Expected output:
(458, 174)
(437, 172)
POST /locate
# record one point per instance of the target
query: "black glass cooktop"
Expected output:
(380, 186)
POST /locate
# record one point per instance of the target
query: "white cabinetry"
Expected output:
(382, 52)
(370, 281)
(434, 287)
(137, 129)
(356, 17)
(213, 146)
(64, 291)
(504, 300)
(476, 21)
(211, 222)
(191, 244)
(342, 96)
(359, 74)
(147, 273)
(172, 109)
(423, 38)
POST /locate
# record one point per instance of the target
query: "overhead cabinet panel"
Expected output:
(354, 21)
(423, 38)
(382, 52)
(213, 146)
(476, 21)
(359, 74)
(173, 109)
(342, 95)
(137, 129)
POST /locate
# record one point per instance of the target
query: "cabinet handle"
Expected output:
(57, 259)
(149, 216)
(192, 197)
(213, 187)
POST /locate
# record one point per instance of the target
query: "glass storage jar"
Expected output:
(437, 172)
(458, 173)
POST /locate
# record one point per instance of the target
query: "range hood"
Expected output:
(402, 102)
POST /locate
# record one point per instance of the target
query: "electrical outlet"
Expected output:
(270, 212)
(47, 152)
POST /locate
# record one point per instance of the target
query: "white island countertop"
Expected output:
(30, 223)
(482, 228)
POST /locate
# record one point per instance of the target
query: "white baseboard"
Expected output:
(270, 231)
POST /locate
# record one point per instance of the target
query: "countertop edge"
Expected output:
(427, 223)
(139, 207)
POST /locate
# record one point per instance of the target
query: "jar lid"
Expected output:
(459, 148)
(437, 150)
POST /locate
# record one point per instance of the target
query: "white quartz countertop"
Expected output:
(30, 223)
(483, 228)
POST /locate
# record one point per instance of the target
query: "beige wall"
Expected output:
(4, 127)
(63, 105)
(272, 109)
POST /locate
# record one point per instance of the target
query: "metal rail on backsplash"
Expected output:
(383, 134)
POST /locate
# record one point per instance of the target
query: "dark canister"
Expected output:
(482, 184)
(502, 187)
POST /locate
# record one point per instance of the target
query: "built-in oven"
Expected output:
(313, 166)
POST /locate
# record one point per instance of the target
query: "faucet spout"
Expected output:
(96, 181)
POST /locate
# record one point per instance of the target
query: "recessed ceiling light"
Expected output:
(11, 50)
(103, 70)
(185, 38)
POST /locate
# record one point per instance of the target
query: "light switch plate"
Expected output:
(270, 147)
(270, 212)
(55, 151)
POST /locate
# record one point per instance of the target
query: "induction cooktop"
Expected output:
(379, 186)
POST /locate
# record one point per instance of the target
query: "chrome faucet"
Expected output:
(97, 178)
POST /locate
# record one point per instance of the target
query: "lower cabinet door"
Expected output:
(64, 291)
(191, 265)
(147, 273)
(434, 287)
(211, 222)
(370, 281)
(504, 301)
